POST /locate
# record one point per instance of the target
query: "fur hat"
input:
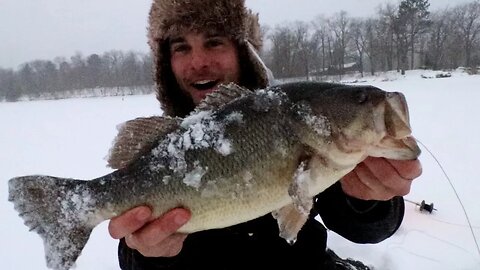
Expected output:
(225, 17)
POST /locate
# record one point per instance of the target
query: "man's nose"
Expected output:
(200, 59)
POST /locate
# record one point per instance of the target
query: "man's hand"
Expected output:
(151, 237)
(381, 179)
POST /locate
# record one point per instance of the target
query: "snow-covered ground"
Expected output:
(70, 138)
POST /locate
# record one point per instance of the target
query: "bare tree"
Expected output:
(9, 89)
(27, 84)
(95, 71)
(322, 37)
(78, 73)
(64, 73)
(339, 25)
(440, 32)
(113, 69)
(387, 37)
(467, 18)
(358, 36)
(282, 51)
(130, 70)
(305, 48)
(112, 61)
(147, 71)
(372, 44)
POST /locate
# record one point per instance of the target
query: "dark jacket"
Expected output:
(256, 243)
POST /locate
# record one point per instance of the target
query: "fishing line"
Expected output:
(455, 191)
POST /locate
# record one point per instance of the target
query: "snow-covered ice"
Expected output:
(69, 138)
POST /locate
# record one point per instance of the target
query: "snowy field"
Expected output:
(70, 138)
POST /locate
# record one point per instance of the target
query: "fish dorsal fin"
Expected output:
(136, 137)
(223, 95)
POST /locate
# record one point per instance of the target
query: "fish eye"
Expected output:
(361, 97)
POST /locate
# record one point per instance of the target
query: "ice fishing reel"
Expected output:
(423, 206)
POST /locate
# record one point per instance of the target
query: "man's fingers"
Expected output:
(368, 186)
(394, 179)
(170, 246)
(381, 179)
(129, 222)
(159, 238)
(408, 169)
(159, 229)
(352, 186)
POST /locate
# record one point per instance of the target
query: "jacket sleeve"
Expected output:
(130, 259)
(358, 220)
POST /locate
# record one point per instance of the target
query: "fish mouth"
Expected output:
(398, 143)
(399, 149)
(397, 119)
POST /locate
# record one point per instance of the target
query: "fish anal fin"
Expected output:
(138, 136)
(223, 95)
(290, 222)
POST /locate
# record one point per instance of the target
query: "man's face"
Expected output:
(200, 62)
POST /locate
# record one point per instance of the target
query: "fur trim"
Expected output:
(227, 17)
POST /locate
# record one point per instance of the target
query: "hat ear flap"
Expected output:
(253, 31)
(262, 74)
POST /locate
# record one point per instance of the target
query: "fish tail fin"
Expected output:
(60, 210)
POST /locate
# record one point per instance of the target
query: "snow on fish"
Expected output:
(238, 156)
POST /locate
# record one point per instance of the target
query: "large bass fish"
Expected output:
(238, 156)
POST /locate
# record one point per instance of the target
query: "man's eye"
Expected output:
(214, 42)
(179, 48)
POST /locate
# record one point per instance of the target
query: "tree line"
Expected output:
(398, 37)
(112, 69)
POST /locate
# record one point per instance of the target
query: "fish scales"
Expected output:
(264, 149)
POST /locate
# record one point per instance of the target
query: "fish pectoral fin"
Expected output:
(137, 136)
(223, 95)
(292, 217)
(299, 188)
(290, 221)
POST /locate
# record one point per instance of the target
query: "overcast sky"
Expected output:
(44, 29)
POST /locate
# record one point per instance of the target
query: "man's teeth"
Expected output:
(204, 82)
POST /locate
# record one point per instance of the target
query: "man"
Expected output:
(198, 45)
